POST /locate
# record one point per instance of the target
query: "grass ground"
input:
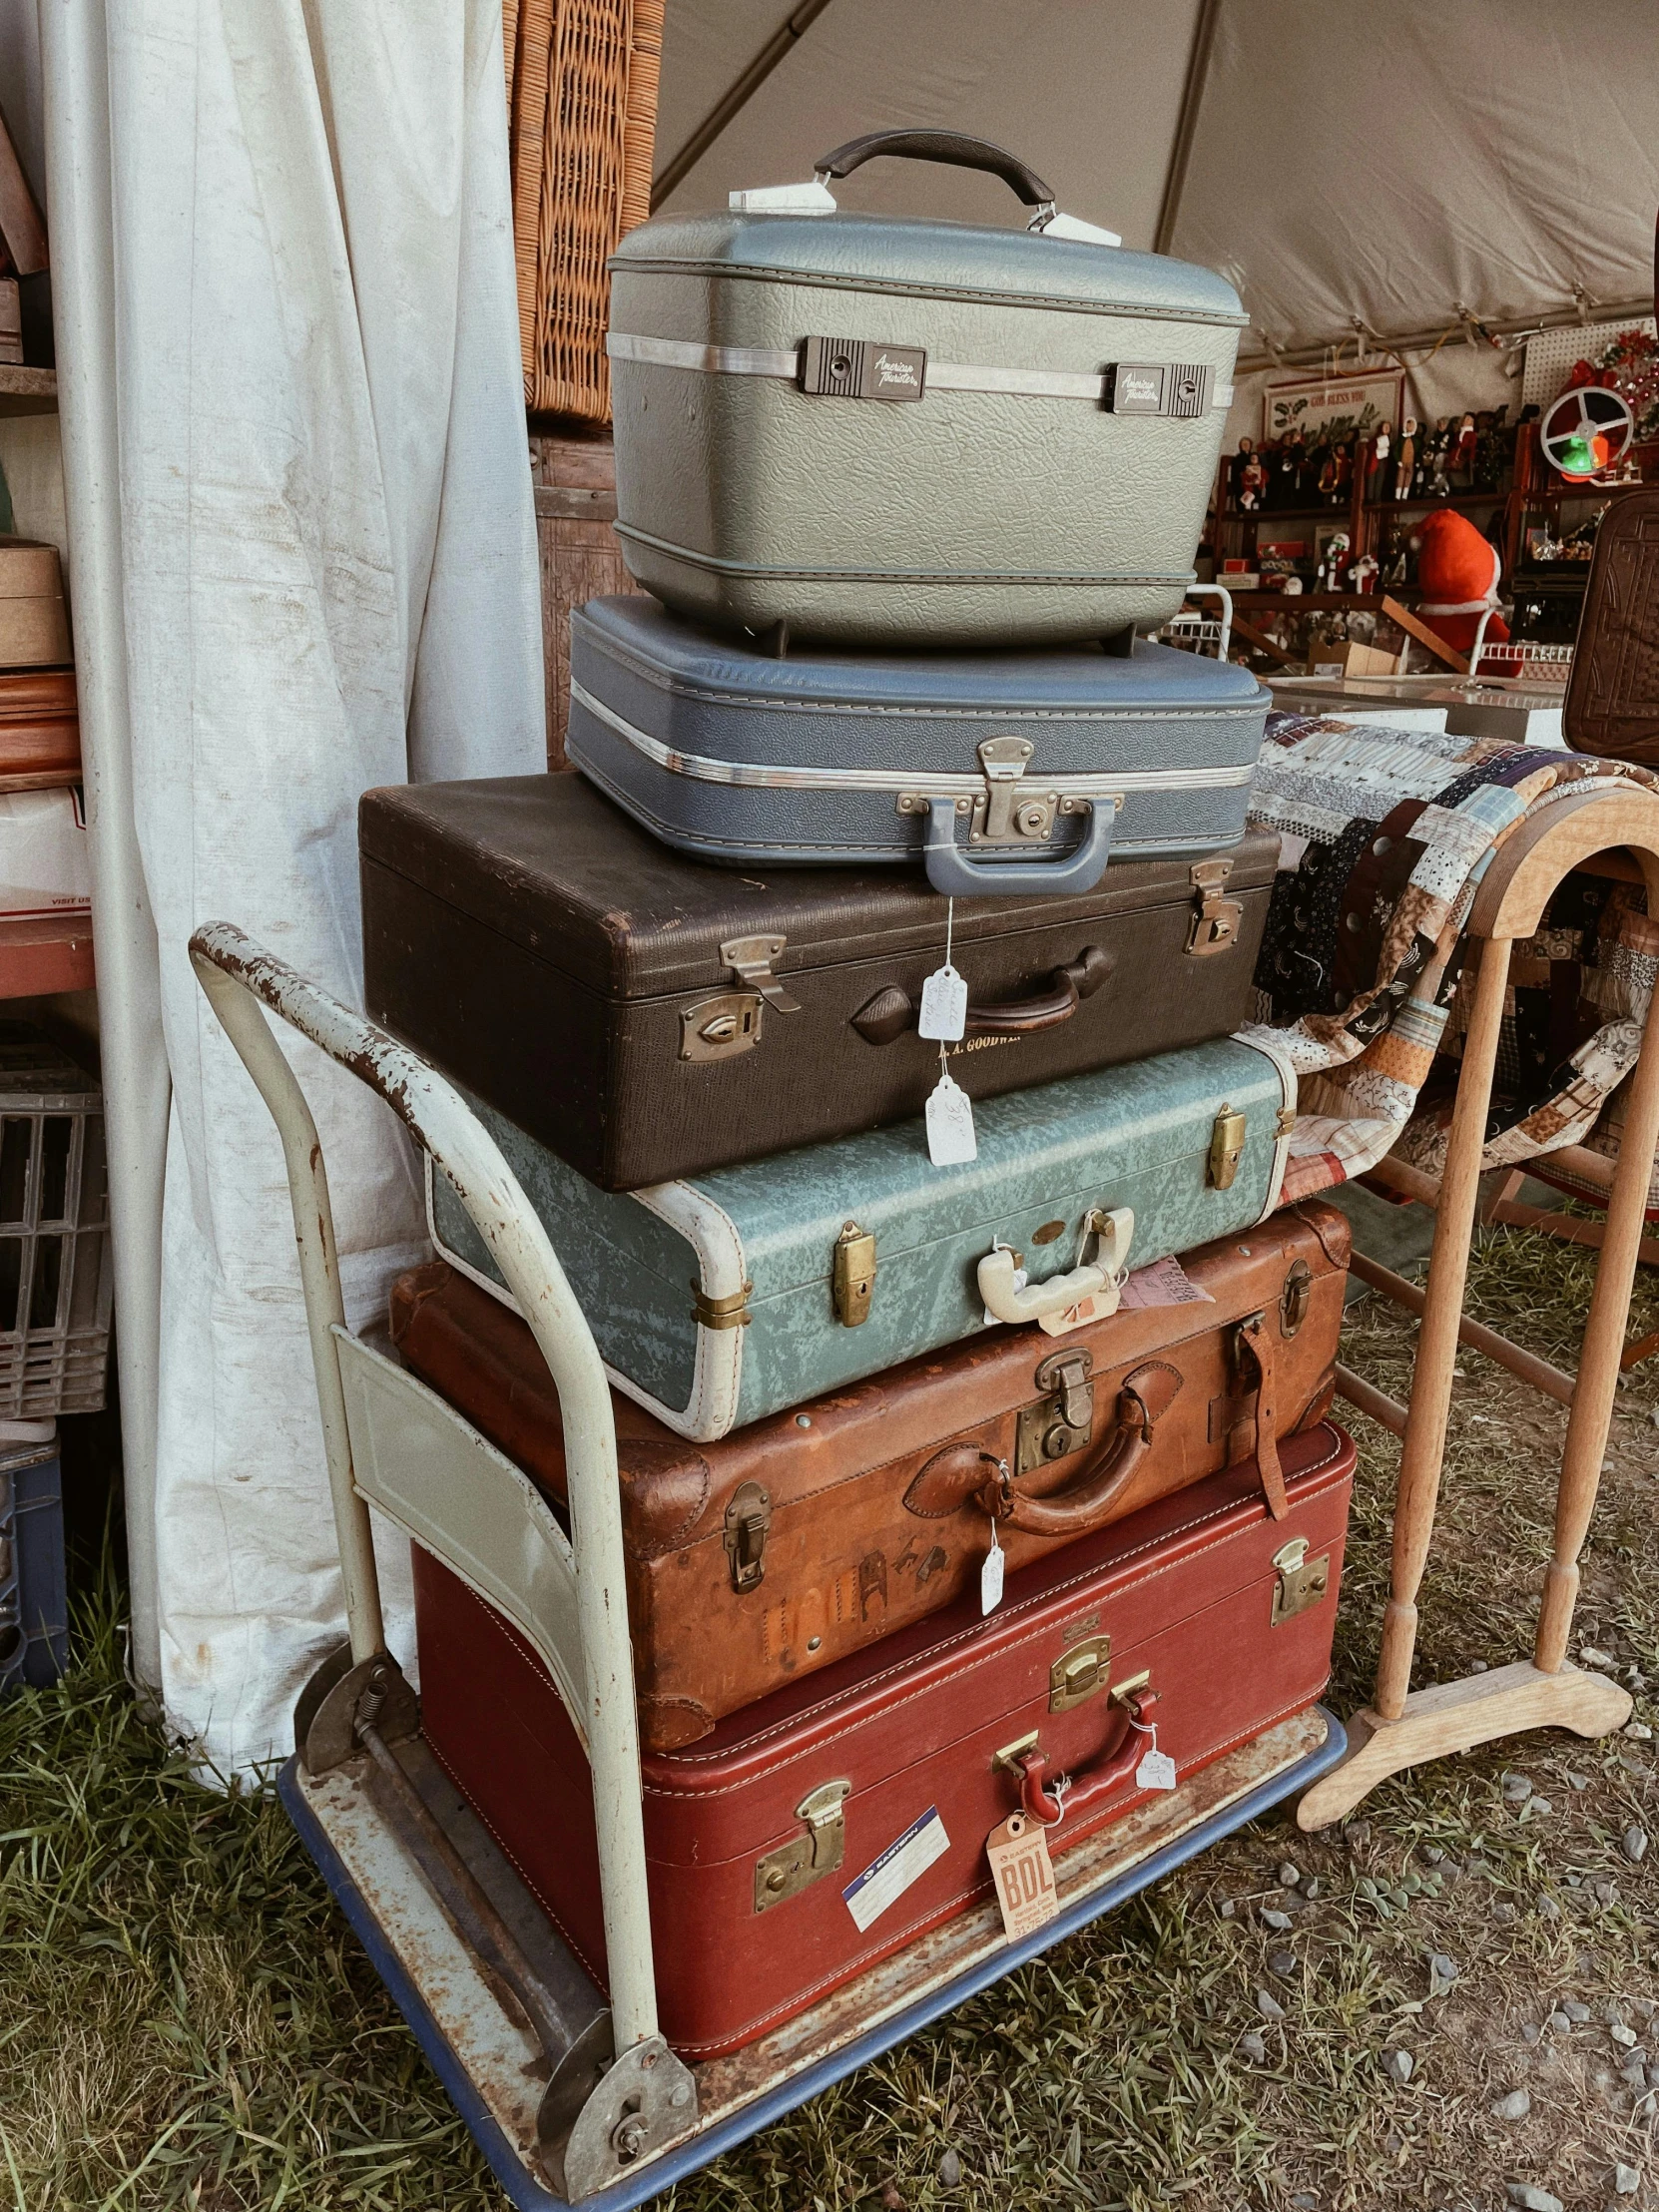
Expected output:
(184, 2020)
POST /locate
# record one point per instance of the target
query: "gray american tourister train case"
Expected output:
(883, 431)
(1008, 774)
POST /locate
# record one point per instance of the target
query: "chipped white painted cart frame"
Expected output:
(569, 2097)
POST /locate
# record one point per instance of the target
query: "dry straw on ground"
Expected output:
(184, 2020)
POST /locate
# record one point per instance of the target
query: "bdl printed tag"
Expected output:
(1017, 1849)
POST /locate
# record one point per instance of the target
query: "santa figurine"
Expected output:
(1457, 571)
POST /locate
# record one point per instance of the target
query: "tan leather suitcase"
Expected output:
(801, 1538)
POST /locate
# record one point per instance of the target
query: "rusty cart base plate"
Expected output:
(487, 2061)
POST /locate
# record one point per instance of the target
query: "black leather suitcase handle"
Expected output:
(952, 146)
(892, 1014)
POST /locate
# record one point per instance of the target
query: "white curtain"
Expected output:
(330, 584)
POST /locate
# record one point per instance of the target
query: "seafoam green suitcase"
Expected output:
(754, 1287)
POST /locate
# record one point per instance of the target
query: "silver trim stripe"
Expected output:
(948, 785)
(763, 360)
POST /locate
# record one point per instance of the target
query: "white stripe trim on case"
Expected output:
(718, 1369)
(785, 365)
(946, 783)
(717, 1243)
(1287, 1101)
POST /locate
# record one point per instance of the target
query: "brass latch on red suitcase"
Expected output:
(1216, 924)
(1302, 1581)
(1080, 1673)
(748, 1521)
(804, 1859)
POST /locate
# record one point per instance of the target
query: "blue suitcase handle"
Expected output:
(955, 876)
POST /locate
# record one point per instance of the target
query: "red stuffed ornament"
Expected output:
(1457, 570)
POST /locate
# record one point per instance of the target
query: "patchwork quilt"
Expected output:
(1386, 836)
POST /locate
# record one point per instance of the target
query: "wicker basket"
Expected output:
(583, 117)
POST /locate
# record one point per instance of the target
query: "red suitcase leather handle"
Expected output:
(1115, 1765)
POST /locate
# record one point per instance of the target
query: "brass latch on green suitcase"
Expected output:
(853, 1274)
(1227, 1143)
(1302, 1581)
(804, 1859)
(1216, 924)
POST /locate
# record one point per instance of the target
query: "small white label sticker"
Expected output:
(905, 1860)
(1164, 1283)
(991, 1575)
(944, 1000)
(1155, 1772)
(950, 1138)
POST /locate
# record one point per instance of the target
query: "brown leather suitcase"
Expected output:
(647, 1016)
(1612, 701)
(804, 1537)
(844, 1817)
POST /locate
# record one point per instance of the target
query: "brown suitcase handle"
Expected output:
(964, 1474)
(892, 1014)
(955, 147)
(1115, 1765)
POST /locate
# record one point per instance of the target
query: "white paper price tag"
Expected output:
(950, 1138)
(991, 1575)
(1157, 1769)
(944, 998)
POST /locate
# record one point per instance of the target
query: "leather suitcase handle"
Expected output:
(1044, 1008)
(892, 1014)
(954, 873)
(964, 1474)
(954, 147)
(1115, 1765)
(1088, 1503)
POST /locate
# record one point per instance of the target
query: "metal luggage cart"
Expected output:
(571, 2096)
(1196, 633)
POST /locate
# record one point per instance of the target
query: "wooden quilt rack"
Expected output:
(1401, 1727)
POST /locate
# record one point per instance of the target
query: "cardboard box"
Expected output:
(1350, 659)
(34, 623)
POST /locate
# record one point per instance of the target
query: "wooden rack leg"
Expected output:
(1598, 1364)
(1448, 1263)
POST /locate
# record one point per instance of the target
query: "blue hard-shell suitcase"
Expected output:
(1002, 773)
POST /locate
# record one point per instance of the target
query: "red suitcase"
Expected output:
(836, 1821)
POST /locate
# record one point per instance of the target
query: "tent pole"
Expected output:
(137, 1089)
(1185, 125)
(732, 102)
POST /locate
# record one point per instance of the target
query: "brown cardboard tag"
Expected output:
(1018, 1852)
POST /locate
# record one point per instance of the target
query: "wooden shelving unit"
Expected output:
(38, 958)
(27, 390)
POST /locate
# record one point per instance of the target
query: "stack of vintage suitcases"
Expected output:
(859, 1023)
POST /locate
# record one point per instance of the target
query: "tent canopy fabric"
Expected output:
(1385, 164)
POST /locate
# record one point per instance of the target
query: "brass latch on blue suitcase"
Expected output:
(804, 1859)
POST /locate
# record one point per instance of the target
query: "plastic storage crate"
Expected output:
(56, 1282)
(34, 1632)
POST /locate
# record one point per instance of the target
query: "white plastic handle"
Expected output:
(1100, 1277)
